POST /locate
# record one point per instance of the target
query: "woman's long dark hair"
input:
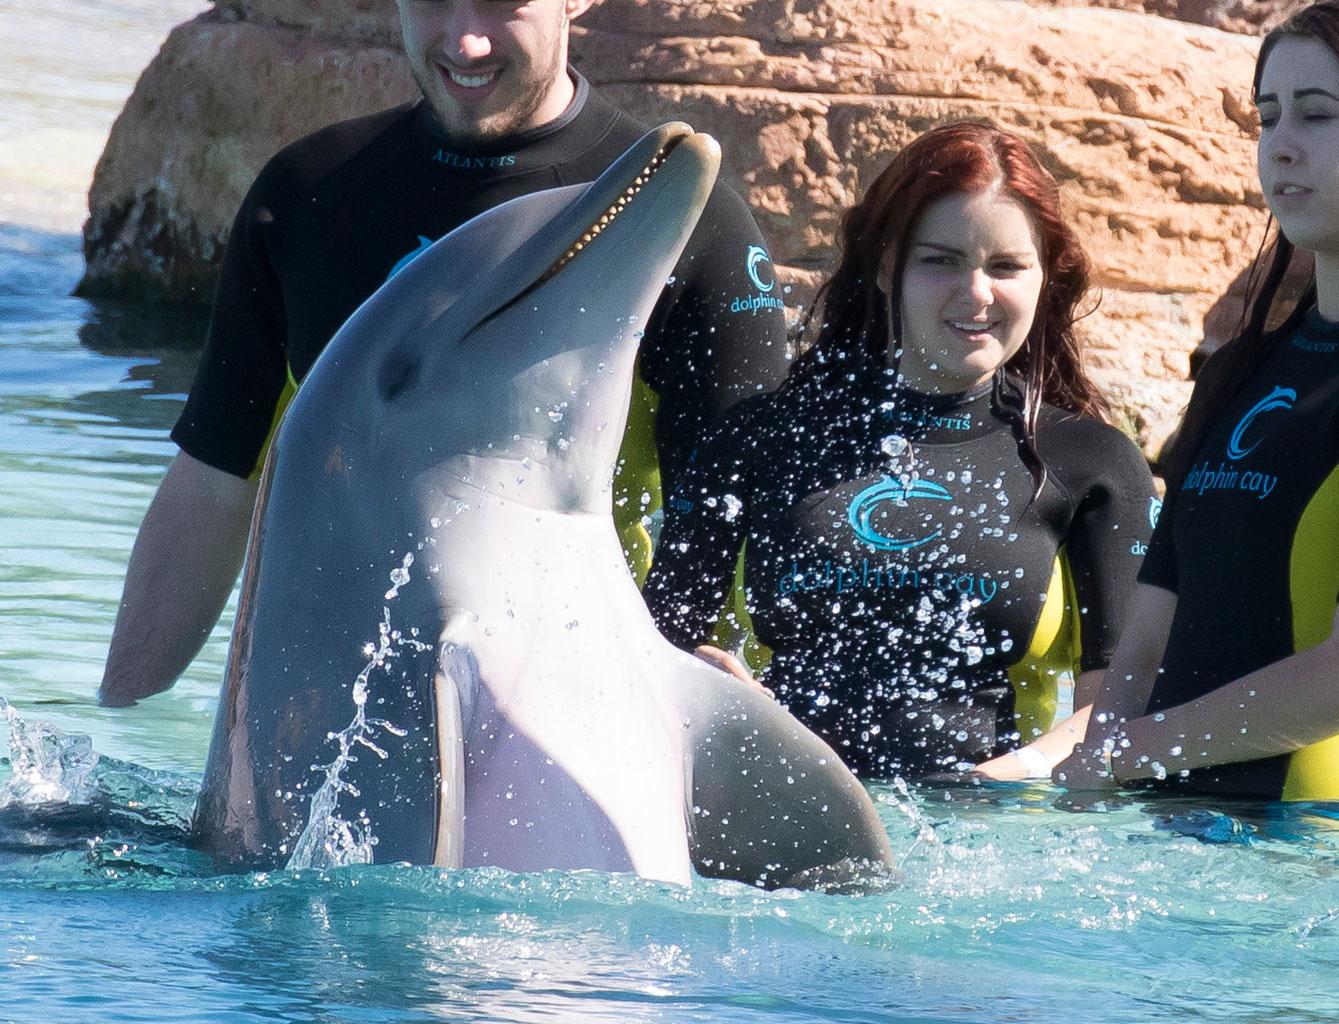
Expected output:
(1233, 364)
(964, 157)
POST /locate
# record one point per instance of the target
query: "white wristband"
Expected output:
(1037, 764)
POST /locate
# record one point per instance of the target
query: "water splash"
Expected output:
(48, 766)
(329, 840)
(924, 836)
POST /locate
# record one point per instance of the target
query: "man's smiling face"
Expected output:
(490, 68)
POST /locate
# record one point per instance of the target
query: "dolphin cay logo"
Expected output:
(866, 503)
(757, 255)
(1206, 477)
(424, 244)
(1154, 511)
(761, 299)
(1279, 398)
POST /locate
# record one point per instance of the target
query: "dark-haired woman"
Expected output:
(1227, 676)
(935, 519)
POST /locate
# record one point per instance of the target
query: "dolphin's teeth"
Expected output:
(608, 216)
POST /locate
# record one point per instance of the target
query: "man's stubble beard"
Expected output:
(497, 126)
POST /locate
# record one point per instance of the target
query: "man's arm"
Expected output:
(718, 335)
(193, 538)
(182, 568)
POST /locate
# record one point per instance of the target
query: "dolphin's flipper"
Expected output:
(771, 801)
(456, 685)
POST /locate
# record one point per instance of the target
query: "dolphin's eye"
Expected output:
(397, 373)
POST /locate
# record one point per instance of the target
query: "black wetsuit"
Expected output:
(1249, 543)
(916, 600)
(334, 214)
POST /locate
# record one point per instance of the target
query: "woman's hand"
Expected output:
(727, 662)
(1037, 759)
(1005, 768)
(1085, 769)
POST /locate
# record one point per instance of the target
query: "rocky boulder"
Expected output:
(222, 96)
(1146, 122)
(1252, 17)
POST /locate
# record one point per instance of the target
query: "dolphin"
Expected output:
(434, 557)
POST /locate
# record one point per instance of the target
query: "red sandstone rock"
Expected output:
(217, 102)
(1251, 17)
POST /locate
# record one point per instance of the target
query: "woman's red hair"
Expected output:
(964, 157)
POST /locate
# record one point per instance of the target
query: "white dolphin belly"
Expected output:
(570, 727)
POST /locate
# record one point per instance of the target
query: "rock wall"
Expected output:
(1253, 17)
(1146, 122)
(224, 93)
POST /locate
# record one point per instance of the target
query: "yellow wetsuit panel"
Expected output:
(1313, 772)
(1052, 652)
(637, 478)
(734, 629)
(280, 407)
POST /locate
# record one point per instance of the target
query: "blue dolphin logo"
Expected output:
(424, 244)
(1279, 398)
(864, 504)
(757, 254)
(1154, 510)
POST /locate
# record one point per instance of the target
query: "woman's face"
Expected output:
(970, 286)
(1299, 142)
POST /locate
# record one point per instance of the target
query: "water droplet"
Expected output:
(893, 444)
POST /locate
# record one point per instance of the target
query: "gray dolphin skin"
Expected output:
(434, 550)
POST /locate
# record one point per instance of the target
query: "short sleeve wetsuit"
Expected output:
(1249, 543)
(333, 215)
(917, 601)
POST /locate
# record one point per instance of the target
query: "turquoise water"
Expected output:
(1015, 906)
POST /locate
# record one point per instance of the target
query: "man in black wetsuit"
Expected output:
(335, 214)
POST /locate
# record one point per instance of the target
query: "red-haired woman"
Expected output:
(1227, 677)
(935, 517)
